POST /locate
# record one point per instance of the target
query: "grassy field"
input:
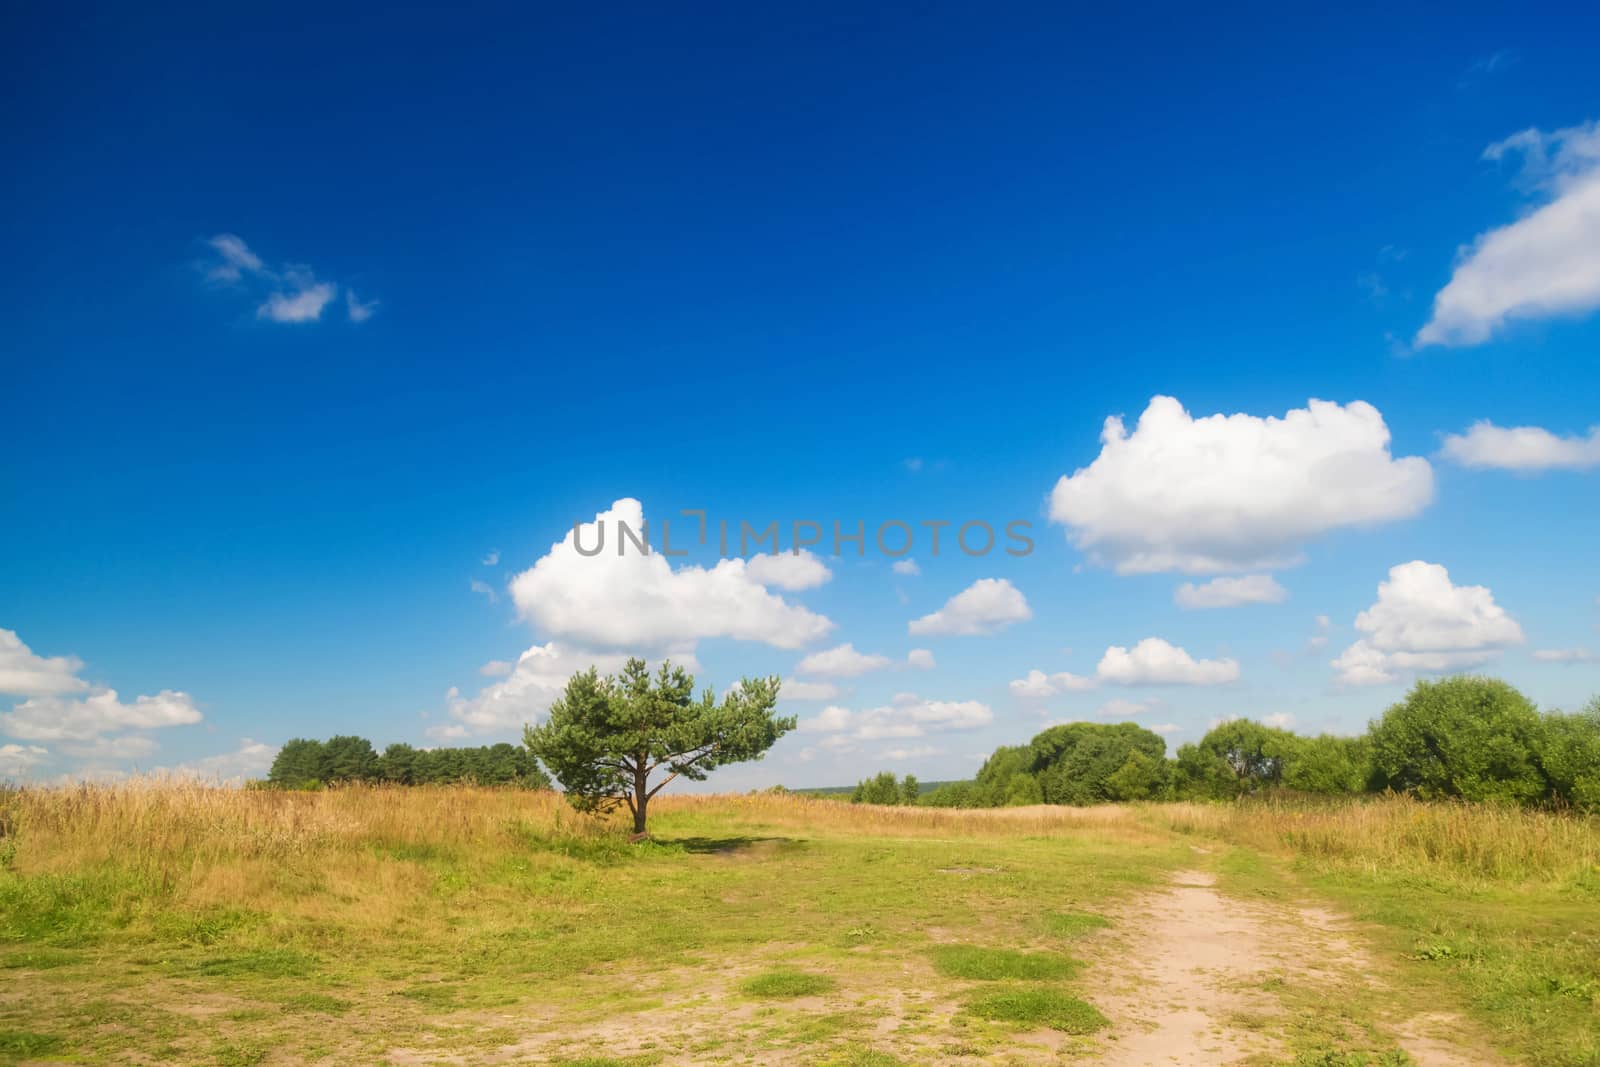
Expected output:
(179, 924)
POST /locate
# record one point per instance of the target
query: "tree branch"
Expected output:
(683, 765)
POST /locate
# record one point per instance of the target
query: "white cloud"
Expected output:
(984, 607)
(495, 668)
(24, 674)
(1522, 448)
(907, 567)
(830, 720)
(303, 302)
(1154, 661)
(526, 693)
(1319, 639)
(639, 601)
(1422, 622)
(1038, 684)
(793, 689)
(1281, 720)
(356, 310)
(1546, 263)
(252, 759)
(292, 293)
(1234, 492)
(483, 588)
(914, 752)
(18, 761)
(1125, 709)
(126, 747)
(1564, 655)
(906, 717)
(491, 557)
(788, 570)
(90, 721)
(920, 659)
(1231, 592)
(1164, 728)
(235, 259)
(842, 661)
(57, 718)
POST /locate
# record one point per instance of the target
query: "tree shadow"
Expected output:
(730, 846)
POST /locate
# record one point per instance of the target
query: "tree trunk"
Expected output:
(641, 796)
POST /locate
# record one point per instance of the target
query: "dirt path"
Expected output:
(1191, 977)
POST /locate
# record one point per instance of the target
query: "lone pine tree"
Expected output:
(606, 737)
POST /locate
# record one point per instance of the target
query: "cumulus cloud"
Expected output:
(79, 719)
(1564, 655)
(1164, 728)
(252, 759)
(1154, 661)
(1546, 263)
(18, 761)
(1038, 684)
(289, 294)
(1422, 622)
(1281, 720)
(1231, 592)
(598, 610)
(525, 694)
(788, 570)
(126, 747)
(57, 718)
(631, 599)
(793, 689)
(24, 674)
(1234, 492)
(920, 659)
(1522, 448)
(907, 567)
(913, 752)
(830, 720)
(984, 607)
(908, 716)
(842, 661)
(1125, 709)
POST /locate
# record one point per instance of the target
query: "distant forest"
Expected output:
(306, 764)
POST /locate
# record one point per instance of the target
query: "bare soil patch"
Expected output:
(1194, 978)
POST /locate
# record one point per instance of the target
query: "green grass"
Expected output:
(23, 1044)
(385, 921)
(266, 963)
(1075, 923)
(316, 1002)
(1039, 1006)
(995, 964)
(787, 984)
(1519, 950)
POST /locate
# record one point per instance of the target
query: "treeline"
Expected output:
(1466, 737)
(884, 789)
(307, 764)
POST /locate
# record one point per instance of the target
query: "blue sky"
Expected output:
(307, 317)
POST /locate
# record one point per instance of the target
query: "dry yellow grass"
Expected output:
(408, 904)
(1457, 840)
